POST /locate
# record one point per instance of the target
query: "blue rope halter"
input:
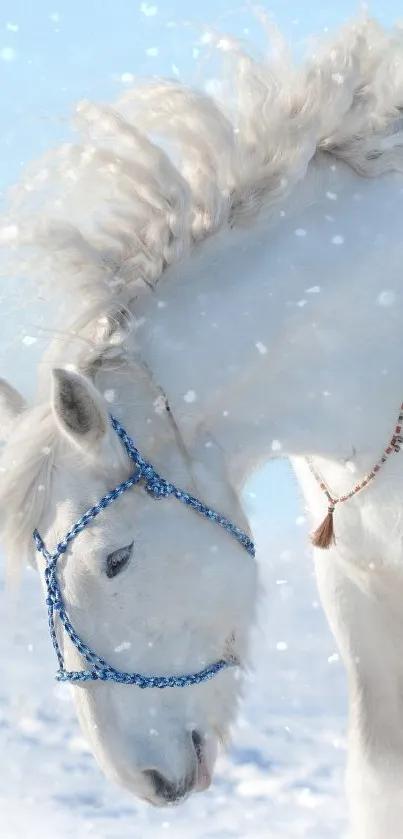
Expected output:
(157, 487)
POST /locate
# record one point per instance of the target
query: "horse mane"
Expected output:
(167, 167)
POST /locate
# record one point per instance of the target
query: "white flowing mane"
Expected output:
(115, 209)
(169, 166)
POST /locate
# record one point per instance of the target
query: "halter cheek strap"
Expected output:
(99, 669)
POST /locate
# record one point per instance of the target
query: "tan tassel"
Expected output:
(323, 537)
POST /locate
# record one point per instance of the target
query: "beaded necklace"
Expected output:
(324, 536)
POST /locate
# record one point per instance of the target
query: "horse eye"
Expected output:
(117, 560)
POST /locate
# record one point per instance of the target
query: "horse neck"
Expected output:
(285, 339)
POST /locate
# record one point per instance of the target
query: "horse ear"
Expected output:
(11, 406)
(79, 408)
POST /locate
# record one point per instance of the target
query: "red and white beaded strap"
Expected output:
(324, 535)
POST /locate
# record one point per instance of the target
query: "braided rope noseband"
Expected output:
(157, 487)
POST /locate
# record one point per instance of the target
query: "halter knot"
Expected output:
(157, 487)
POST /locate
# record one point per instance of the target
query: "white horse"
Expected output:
(235, 294)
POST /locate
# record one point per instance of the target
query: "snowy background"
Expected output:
(283, 775)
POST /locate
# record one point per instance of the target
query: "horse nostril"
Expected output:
(166, 790)
(197, 741)
(204, 769)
